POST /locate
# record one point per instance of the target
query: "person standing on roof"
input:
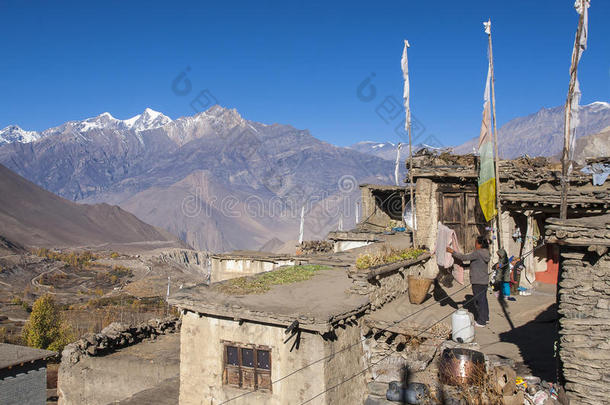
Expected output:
(479, 277)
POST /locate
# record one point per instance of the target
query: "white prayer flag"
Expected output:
(582, 8)
(397, 163)
(405, 74)
(302, 227)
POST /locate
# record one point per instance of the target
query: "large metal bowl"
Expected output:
(461, 366)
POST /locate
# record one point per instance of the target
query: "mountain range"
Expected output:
(149, 119)
(221, 182)
(541, 133)
(215, 179)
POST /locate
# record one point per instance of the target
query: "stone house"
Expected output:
(446, 191)
(381, 204)
(23, 375)
(225, 266)
(296, 342)
(584, 306)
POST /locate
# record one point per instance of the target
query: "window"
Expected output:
(247, 366)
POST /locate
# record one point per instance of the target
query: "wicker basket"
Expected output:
(418, 288)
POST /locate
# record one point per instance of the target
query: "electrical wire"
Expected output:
(381, 330)
(388, 355)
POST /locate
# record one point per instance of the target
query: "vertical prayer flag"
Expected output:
(487, 177)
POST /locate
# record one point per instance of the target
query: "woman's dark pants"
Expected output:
(480, 301)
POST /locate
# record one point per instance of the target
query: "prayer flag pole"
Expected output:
(580, 44)
(406, 94)
(495, 136)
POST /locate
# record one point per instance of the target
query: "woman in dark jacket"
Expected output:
(503, 273)
(479, 277)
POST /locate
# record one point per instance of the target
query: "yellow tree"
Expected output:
(45, 329)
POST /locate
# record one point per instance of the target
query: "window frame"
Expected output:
(240, 370)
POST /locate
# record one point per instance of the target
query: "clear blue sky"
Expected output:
(294, 62)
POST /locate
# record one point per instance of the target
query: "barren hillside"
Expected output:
(32, 216)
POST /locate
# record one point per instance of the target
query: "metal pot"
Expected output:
(461, 366)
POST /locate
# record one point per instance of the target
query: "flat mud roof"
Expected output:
(316, 303)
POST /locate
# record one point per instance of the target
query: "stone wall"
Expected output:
(119, 362)
(426, 211)
(312, 247)
(584, 306)
(392, 354)
(385, 287)
(116, 336)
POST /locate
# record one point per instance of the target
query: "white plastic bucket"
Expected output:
(462, 327)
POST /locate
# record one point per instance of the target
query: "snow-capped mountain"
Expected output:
(384, 150)
(149, 119)
(14, 133)
(387, 150)
(541, 133)
(213, 121)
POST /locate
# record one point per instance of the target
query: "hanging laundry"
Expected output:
(445, 238)
(600, 172)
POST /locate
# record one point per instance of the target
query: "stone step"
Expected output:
(375, 400)
(378, 388)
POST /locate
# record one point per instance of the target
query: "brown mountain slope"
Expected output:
(32, 216)
(219, 218)
(597, 145)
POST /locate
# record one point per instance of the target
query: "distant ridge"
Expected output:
(32, 216)
(541, 133)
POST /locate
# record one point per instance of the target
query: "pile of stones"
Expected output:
(118, 335)
(316, 246)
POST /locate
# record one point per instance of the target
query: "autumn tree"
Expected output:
(45, 328)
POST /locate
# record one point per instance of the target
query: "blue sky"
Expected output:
(297, 62)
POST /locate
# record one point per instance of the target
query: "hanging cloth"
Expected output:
(446, 237)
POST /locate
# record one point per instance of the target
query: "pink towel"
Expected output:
(445, 238)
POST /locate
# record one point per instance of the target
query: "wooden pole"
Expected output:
(408, 119)
(495, 138)
(413, 223)
(565, 157)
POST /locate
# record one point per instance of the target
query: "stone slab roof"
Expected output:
(12, 355)
(524, 182)
(316, 303)
(525, 170)
(593, 232)
(384, 187)
(354, 235)
(251, 254)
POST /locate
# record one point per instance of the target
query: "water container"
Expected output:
(462, 328)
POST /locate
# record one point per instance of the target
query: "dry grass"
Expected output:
(386, 257)
(101, 312)
(78, 260)
(478, 390)
(262, 283)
